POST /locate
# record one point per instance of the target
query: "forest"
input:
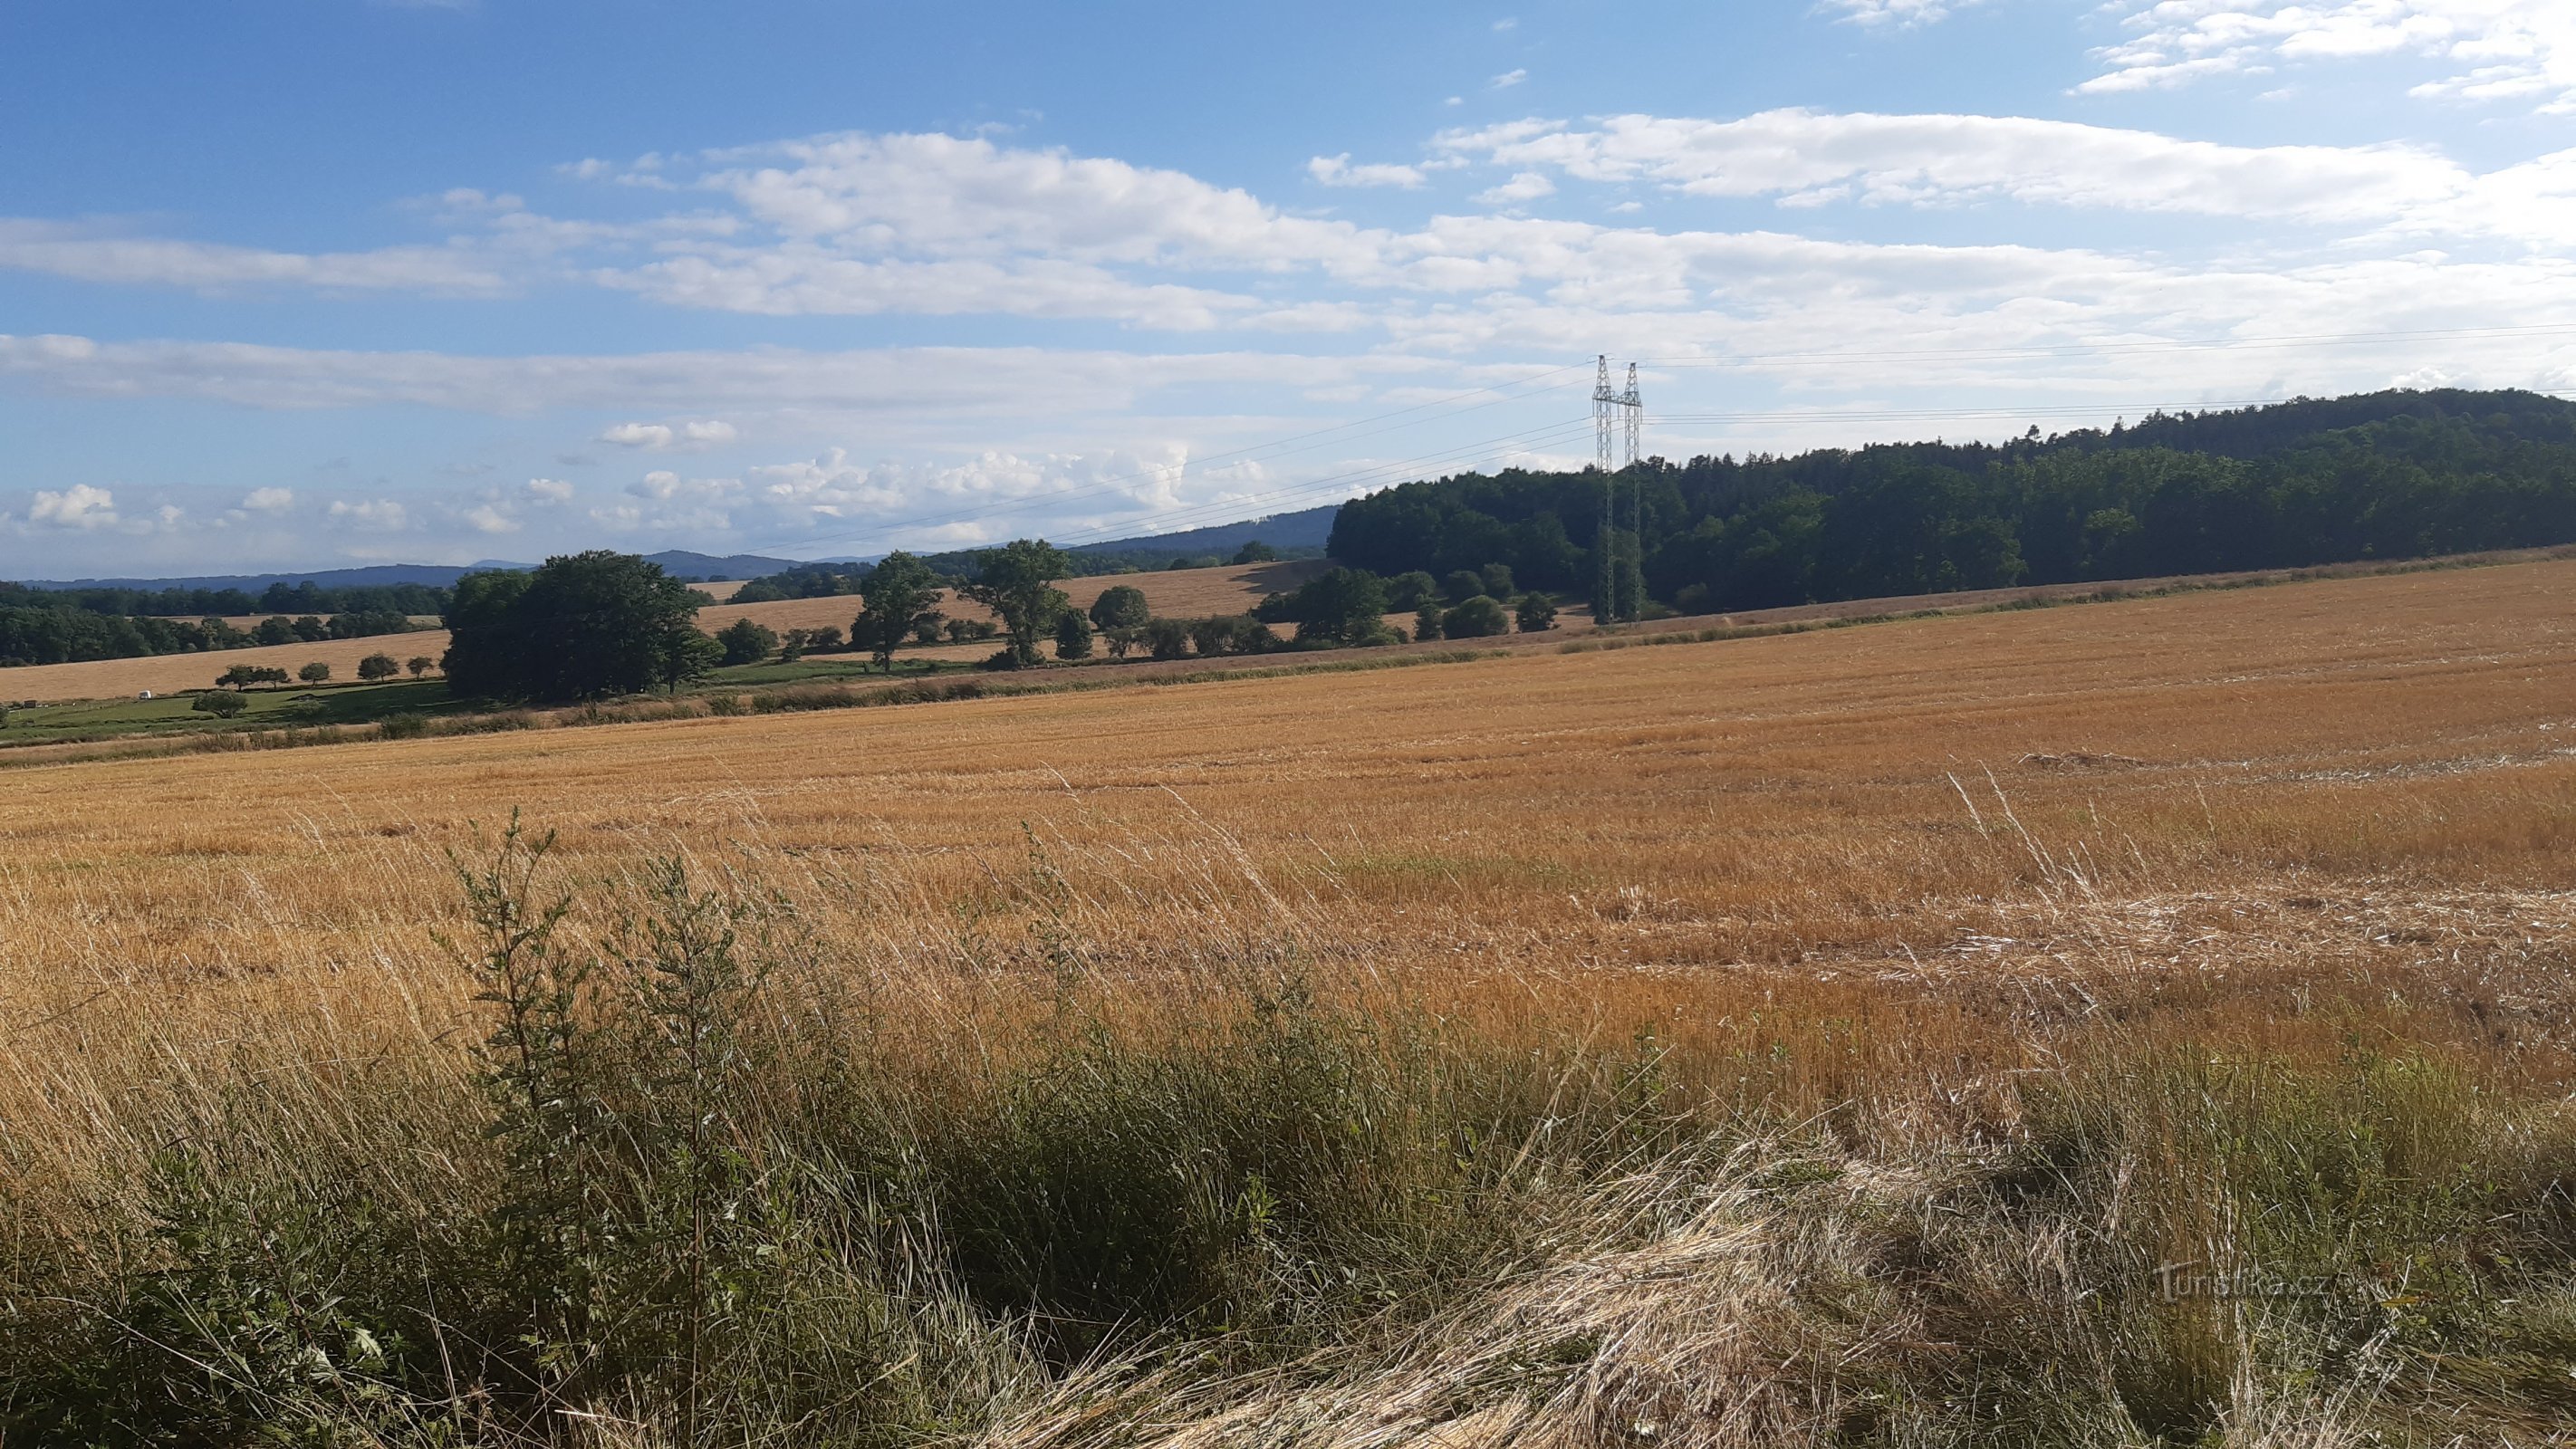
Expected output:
(2389, 475)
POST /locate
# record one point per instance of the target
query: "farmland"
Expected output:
(1831, 1037)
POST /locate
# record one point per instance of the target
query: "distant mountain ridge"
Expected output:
(1307, 528)
(678, 562)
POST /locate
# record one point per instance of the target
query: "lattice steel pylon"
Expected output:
(1636, 413)
(1605, 543)
(1619, 593)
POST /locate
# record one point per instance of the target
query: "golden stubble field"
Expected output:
(2330, 777)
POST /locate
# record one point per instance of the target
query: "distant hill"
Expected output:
(678, 562)
(1306, 528)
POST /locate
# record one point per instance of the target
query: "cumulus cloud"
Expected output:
(2518, 51)
(1524, 186)
(79, 507)
(662, 437)
(1338, 171)
(370, 515)
(268, 500)
(549, 490)
(1508, 79)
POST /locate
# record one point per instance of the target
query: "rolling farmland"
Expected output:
(1897, 904)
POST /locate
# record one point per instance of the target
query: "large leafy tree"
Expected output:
(581, 626)
(1017, 582)
(902, 595)
(1337, 606)
(1120, 606)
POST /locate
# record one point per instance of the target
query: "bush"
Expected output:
(222, 704)
(1497, 578)
(1476, 617)
(1230, 634)
(746, 641)
(378, 666)
(1462, 585)
(1254, 552)
(1426, 623)
(316, 672)
(1168, 638)
(1537, 613)
(1411, 590)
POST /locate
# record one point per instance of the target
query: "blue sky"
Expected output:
(306, 283)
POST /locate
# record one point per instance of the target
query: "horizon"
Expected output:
(570, 276)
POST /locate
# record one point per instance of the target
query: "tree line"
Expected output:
(42, 633)
(600, 623)
(278, 598)
(2388, 475)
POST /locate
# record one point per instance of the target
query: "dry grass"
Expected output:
(1893, 900)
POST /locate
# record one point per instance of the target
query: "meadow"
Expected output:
(2141, 1023)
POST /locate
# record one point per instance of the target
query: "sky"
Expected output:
(311, 283)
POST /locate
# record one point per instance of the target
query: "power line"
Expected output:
(1345, 482)
(1276, 447)
(2067, 349)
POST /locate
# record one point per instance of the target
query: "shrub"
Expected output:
(1537, 613)
(378, 666)
(1462, 584)
(1168, 638)
(1476, 617)
(1411, 590)
(1426, 623)
(222, 704)
(1255, 551)
(1497, 578)
(316, 672)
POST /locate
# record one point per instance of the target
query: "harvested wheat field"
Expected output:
(2145, 1022)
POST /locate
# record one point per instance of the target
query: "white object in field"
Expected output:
(147, 694)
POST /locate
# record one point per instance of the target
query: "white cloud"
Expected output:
(1893, 13)
(891, 384)
(1803, 157)
(80, 507)
(1508, 79)
(661, 437)
(1524, 186)
(371, 515)
(2521, 51)
(93, 254)
(549, 490)
(269, 500)
(489, 518)
(1506, 23)
(1338, 171)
